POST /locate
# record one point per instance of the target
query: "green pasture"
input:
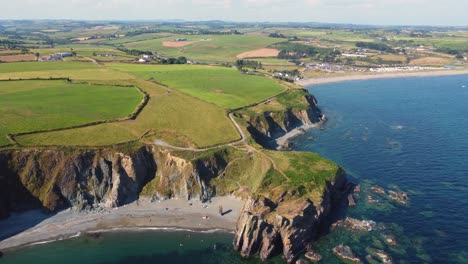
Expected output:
(174, 117)
(226, 87)
(27, 106)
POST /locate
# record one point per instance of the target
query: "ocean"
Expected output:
(408, 134)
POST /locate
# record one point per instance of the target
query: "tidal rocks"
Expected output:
(267, 227)
(313, 256)
(351, 201)
(371, 200)
(390, 240)
(399, 197)
(356, 225)
(1, 254)
(377, 189)
(381, 255)
(344, 252)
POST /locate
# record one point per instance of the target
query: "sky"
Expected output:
(375, 12)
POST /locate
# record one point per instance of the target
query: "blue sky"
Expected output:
(385, 12)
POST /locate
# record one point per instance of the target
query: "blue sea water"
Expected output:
(402, 134)
(410, 134)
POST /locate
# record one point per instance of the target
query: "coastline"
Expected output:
(35, 227)
(370, 76)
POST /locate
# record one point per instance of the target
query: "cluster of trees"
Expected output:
(180, 60)
(375, 46)
(276, 35)
(241, 64)
(211, 32)
(135, 52)
(292, 51)
(457, 53)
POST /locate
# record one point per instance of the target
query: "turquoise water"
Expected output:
(134, 247)
(408, 134)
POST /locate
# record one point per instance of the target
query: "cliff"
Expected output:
(58, 179)
(287, 225)
(281, 115)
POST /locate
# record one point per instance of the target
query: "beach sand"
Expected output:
(355, 77)
(281, 141)
(35, 227)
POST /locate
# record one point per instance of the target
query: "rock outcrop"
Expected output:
(288, 225)
(270, 125)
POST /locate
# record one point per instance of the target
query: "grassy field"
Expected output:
(225, 87)
(222, 48)
(27, 106)
(61, 69)
(174, 117)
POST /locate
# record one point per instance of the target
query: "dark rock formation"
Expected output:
(268, 227)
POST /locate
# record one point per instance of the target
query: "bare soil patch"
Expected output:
(431, 61)
(176, 44)
(19, 57)
(260, 53)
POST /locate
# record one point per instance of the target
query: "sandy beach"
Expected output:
(281, 141)
(35, 227)
(369, 76)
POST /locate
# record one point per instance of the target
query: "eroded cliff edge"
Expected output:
(288, 195)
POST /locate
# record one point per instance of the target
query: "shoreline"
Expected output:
(34, 227)
(371, 76)
(298, 131)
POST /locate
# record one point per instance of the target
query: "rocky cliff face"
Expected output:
(270, 125)
(57, 179)
(287, 225)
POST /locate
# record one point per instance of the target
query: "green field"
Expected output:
(175, 117)
(225, 87)
(61, 69)
(27, 106)
(206, 47)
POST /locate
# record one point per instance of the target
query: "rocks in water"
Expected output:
(399, 197)
(302, 261)
(371, 200)
(313, 256)
(351, 201)
(1, 254)
(344, 252)
(356, 225)
(390, 239)
(377, 189)
(381, 255)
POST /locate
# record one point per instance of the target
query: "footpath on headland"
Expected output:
(370, 76)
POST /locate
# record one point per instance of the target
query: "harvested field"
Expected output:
(17, 58)
(260, 53)
(431, 61)
(176, 44)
